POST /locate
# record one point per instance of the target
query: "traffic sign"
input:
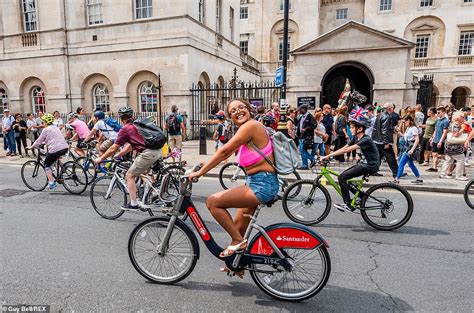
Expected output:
(279, 77)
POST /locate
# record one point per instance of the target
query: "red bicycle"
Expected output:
(287, 261)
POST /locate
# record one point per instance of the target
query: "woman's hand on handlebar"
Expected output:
(196, 173)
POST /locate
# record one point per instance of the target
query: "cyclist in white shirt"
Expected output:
(108, 134)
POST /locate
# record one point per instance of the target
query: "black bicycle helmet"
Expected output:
(99, 114)
(125, 111)
(267, 119)
(360, 121)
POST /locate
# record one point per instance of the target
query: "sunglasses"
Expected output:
(239, 108)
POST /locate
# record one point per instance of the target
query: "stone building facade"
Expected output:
(61, 54)
(383, 46)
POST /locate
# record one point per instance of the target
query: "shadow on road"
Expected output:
(410, 230)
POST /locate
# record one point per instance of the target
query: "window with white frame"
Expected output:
(422, 44)
(94, 12)
(38, 100)
(100, 95)
(282, 5)
(280, 49)
(385, 5)
(466, 41)
(202, 11)
(29, 15)
(218, 16)
(231, 23)
(244, 13)
(148, 97)
(426, 3)
(244, 46)
(341, 14)
(3, 100)
(143, 9)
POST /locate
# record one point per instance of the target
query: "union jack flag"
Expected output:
(357, 113)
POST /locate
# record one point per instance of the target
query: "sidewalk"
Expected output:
(432, 183)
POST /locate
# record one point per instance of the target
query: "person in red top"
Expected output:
(131, 138)
(275, 113)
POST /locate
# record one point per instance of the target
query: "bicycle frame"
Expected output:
(269, 245)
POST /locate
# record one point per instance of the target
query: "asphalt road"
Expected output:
(56, 250)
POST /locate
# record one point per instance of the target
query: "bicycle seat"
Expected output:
(271, 202)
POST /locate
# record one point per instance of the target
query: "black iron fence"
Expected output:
(207, 100)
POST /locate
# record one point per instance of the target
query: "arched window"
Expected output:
(38, 100)
(100, 95)
(3, 100)
(148, 97)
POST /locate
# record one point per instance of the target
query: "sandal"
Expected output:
(226, 270)
(230, 250)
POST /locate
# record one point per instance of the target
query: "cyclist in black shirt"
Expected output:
(369, 165)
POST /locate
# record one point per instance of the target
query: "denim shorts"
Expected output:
(264, 185)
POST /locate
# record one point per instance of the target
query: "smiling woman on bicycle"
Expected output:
(369, 166)
(53, 138)
(261, 185)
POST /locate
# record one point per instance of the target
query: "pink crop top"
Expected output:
(249, 157)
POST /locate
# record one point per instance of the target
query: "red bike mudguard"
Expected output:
(286, 236)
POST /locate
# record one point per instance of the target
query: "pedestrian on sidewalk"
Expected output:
(428, 131)
(8, 133)
(320, 136)
(454, 151)
(411, 140)
(223, 132)
(32, 131)
(58, 121)
(176, 130)
(341, 131)
(305, 132)
(438, 138)
(40, 125)
(291, 126)
(275, 113)
(383, 135)
(20, 128)
(328, 122)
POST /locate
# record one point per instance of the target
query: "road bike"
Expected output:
(87, 161)
(232, 175)
(469, 194)
(70, 174)
(108, 193)
(287, 261)
(384, 206)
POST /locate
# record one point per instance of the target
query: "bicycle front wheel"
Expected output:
(175, 264)
(386, 206)
(74, 177)
(89, 167)
(306, 202)
(469, 194)
(232, 175)
(34, 175)
(309, 275)
(107, 197)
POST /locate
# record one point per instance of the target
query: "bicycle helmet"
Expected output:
(71, 115)
(360, 121)
(48, 119)
(125, 111)
(99, 114)
(267, 119)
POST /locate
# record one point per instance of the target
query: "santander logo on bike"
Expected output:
(293, 239)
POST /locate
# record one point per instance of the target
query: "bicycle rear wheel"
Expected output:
(89, 167)
(306, 202)
(231, 175)
(107, 206)
(74, 177)
(386, 206)
(309, 275)
(469, 194)
(177, 262)
(34, 175)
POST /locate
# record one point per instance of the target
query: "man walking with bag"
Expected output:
(176, 131)
(305, 132)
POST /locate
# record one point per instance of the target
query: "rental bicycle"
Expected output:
(70, 174)
(287, 261)
(469, 194)
(232, 175)
(108, 193)
(384, 206)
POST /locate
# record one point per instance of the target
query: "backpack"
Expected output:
(285, 152)
(225, 132)
(113, 124)
(152, 135)
(173, 124)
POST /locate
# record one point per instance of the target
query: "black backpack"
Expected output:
(173, 124)
(152, 135)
